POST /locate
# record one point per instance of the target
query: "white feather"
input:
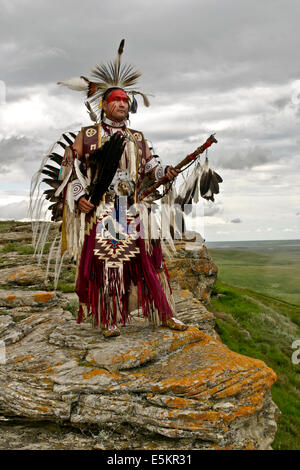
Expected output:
(76, 83)
(70, 198)
(83, 180)
(62, 186)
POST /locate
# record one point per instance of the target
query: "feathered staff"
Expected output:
(202, 181)
(190, 189)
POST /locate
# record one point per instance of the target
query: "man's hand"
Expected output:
(84, 205)
(171, 172)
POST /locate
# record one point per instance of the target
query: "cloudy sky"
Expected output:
(225, 66)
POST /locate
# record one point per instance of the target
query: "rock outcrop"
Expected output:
(63, 386)
(193, 269)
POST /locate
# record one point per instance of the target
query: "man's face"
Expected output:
(117, 106)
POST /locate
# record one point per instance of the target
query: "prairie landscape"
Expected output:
(256, 302)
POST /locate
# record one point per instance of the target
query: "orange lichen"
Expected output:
(250, 447)
(140, 355)
(43, 297)
(44, 408)
(176, 402)
(10, 298)
(192, 333)
(226, 372)
(47, 380)
(12, 276)
(23, 358)
(94, 372)
(49, 371)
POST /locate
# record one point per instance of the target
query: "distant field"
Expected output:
(272, 268)
(256, 301)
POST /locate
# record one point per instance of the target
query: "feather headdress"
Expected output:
(105, 76)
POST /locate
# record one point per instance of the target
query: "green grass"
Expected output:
(18, 247)
(66, 281)
(276, 274)
(251, 304)
(7, 225)
(21, 248)
(72, 307)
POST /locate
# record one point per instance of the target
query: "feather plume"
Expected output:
(145, 98)
(209, 182)
(113, 74)
(70, 141)
(104, 76)
(76, 83)
(188, 189)
(93, 88)
(53, 183)
(49, 195)
(55, 157)
(91, 113)
(54, 169)
(52, 174)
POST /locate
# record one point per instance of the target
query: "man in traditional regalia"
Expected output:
(98, 192)
(102, 175)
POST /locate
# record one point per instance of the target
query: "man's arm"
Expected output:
(170, 172)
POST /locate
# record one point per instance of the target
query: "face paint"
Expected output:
(118, 95)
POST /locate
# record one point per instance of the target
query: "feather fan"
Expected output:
(52, 173)
(104, 163)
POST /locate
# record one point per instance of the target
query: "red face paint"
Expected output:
(118, 95)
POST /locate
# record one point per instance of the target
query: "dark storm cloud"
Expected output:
(180, 46)
(19, 159)
(15, 149)
(254, 157)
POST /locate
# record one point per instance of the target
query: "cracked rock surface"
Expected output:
(168, 388)
(64, 386)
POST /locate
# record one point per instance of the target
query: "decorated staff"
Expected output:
(191, 158)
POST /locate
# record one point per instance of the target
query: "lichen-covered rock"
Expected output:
(193, 269)
(22, 275)
(15, 237)
(168, 389)
(21, 298)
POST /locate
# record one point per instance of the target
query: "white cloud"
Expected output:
(14, 211)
